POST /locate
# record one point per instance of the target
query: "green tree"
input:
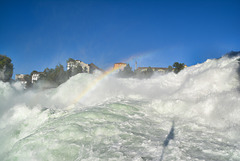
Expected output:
(126, 72)
(178, 67)
(60, 74)
(6, 68)
(48, 75)
(149, 72)
(69, 73)
(85, 70)
(79, 69)
(170, 68)
(75, 71)
(28, 78)
(70, 59)
(55, 76)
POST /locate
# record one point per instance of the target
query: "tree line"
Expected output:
(6, 68)
(56, 76)
(127, 71)
(52, 76)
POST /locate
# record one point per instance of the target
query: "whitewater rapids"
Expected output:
(126, 119)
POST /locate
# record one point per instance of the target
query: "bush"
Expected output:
(6, 68)
(178, 67)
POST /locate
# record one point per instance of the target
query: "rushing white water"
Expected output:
(126, 119)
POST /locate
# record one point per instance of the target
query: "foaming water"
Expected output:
(126, 119)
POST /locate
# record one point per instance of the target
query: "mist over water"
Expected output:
(126, 119)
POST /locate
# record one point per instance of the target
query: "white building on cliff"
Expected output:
(86, 68)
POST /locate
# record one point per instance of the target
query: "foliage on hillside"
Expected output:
(147, 73)
(6, 68)
(127, 73)
(178, 67)
(55, 76)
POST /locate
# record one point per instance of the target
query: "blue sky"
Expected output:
(40, 34)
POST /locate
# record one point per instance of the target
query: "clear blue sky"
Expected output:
(38, 34)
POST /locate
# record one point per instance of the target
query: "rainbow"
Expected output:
(93, 84)
(108, 72)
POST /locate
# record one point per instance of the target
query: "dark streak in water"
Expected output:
(170, 136)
